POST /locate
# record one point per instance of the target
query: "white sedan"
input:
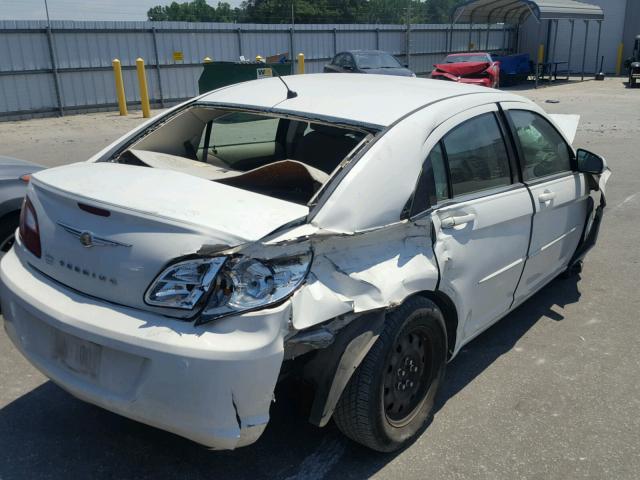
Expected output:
(351, 232)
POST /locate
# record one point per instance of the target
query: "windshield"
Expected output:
(376, 60)
(465, 58)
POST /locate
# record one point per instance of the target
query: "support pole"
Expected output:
(377, 39)
(619, 59)
(239, 33)
(291, 45)
(553, 50)
(470, 31)
(408, 45)
(335, 42)
(157, 57)
(536, 74)
(450, 48)
(54, 68)
(598, 46)
(144, 93)
(505, 45)
(301, 64)
(547, 43)
(570, 48)
(117, 75)
(486, 43)
(584, 52)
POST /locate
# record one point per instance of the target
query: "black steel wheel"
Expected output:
(389, 398)
(407, 375)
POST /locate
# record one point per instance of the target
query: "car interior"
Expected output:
(281, 157)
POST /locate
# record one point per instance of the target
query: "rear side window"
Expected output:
(432, 186)
(477, 155)
(544, 150)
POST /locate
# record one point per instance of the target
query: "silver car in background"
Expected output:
(14, 177)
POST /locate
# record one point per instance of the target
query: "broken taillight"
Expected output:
(29, 231)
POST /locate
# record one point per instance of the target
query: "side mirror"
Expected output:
(589, 162)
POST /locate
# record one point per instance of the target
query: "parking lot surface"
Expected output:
(551, 391)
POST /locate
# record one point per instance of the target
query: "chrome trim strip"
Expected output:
(552, 242)
(95, 241)
(502, 270)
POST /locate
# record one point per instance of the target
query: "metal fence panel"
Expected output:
(173, 52)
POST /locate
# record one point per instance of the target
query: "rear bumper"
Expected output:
(212, 384)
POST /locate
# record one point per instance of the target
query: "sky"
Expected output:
(83, 9)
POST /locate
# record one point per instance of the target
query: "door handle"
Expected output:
(546, 196)
(450, 222)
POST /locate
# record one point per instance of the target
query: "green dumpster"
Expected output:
(220, 74)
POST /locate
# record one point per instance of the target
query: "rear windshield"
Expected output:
(376, 60)
(465, 58)
(281, 157)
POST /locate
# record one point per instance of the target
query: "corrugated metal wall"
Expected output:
(67, 68)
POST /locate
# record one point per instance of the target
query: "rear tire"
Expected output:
(389, 399)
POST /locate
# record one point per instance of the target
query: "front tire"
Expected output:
(389, 399)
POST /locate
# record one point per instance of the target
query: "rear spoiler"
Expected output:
(568, 124)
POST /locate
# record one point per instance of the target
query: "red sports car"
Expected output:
(476, 68)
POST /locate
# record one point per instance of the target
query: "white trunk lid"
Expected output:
(154, 217)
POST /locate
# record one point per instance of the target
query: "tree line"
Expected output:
(307, 11)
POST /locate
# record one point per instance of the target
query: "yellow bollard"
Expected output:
(117, 74)
(300, 63)
(619, 59)
(541, 53)
(144, 93)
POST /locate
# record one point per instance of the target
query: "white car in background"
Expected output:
(354, 232)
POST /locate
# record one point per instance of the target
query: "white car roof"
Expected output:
(375, 100)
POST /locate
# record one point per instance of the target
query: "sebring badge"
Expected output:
(88, 240)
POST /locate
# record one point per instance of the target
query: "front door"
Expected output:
(559, 195)
(482, 219)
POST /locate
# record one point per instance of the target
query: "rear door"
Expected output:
(481, 218)
(559, 195)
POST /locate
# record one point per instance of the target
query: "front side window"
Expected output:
(544, 150)
(477, 155)
(241, 127)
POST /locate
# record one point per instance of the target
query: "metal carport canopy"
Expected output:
(517, 11)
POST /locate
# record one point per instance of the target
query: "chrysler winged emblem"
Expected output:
(88, 239)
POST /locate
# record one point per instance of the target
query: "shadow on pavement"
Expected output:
(48, 434)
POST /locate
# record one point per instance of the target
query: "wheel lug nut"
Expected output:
(410, 384)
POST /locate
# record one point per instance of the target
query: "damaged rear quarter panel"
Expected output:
(365, 271)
